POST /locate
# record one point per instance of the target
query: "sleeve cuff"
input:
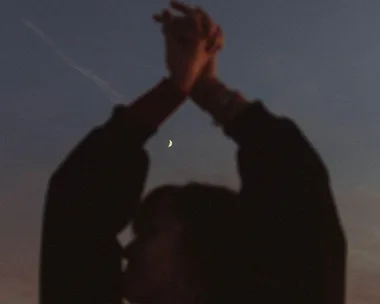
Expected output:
(253, 114)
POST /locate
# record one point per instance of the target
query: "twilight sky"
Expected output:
(316, 62)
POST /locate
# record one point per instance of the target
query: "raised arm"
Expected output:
(92, 196)
(297, 240)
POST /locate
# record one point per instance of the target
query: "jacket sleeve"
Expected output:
(91, 197)
(297, 244)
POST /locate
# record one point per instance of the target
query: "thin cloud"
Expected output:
(105, 86)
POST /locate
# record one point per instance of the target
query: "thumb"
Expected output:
(167, 21)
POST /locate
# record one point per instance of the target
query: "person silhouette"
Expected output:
(277, 239)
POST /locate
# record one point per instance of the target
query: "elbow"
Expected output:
(54, 180)
(308, 156)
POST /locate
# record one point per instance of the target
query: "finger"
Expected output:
(157, 17)
(219, 36)
(182, 27)
(198, 22)
(167, 20)
(190, 12)
(212, 48)
(216, 42)
(187, 25)
(207, 24)
(166, 16)
(215, 49)
(181, 7)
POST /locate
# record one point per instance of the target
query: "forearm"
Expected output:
(214, 97)
(155, 106)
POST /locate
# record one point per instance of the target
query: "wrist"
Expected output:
(155, 106)
(183, 84)
(204, 89)
(203, 83)
(212, 96)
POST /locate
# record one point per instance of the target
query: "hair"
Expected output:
(211, 217)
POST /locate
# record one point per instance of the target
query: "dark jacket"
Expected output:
(295, 230)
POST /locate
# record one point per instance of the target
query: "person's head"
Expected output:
(185, 246)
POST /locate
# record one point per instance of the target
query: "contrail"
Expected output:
(105, 86)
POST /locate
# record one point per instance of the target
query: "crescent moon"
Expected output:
(170, 143)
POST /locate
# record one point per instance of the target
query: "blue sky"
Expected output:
(313, 61)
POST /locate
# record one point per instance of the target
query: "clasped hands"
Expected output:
(192, 41)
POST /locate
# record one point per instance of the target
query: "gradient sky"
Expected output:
(316, 62)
